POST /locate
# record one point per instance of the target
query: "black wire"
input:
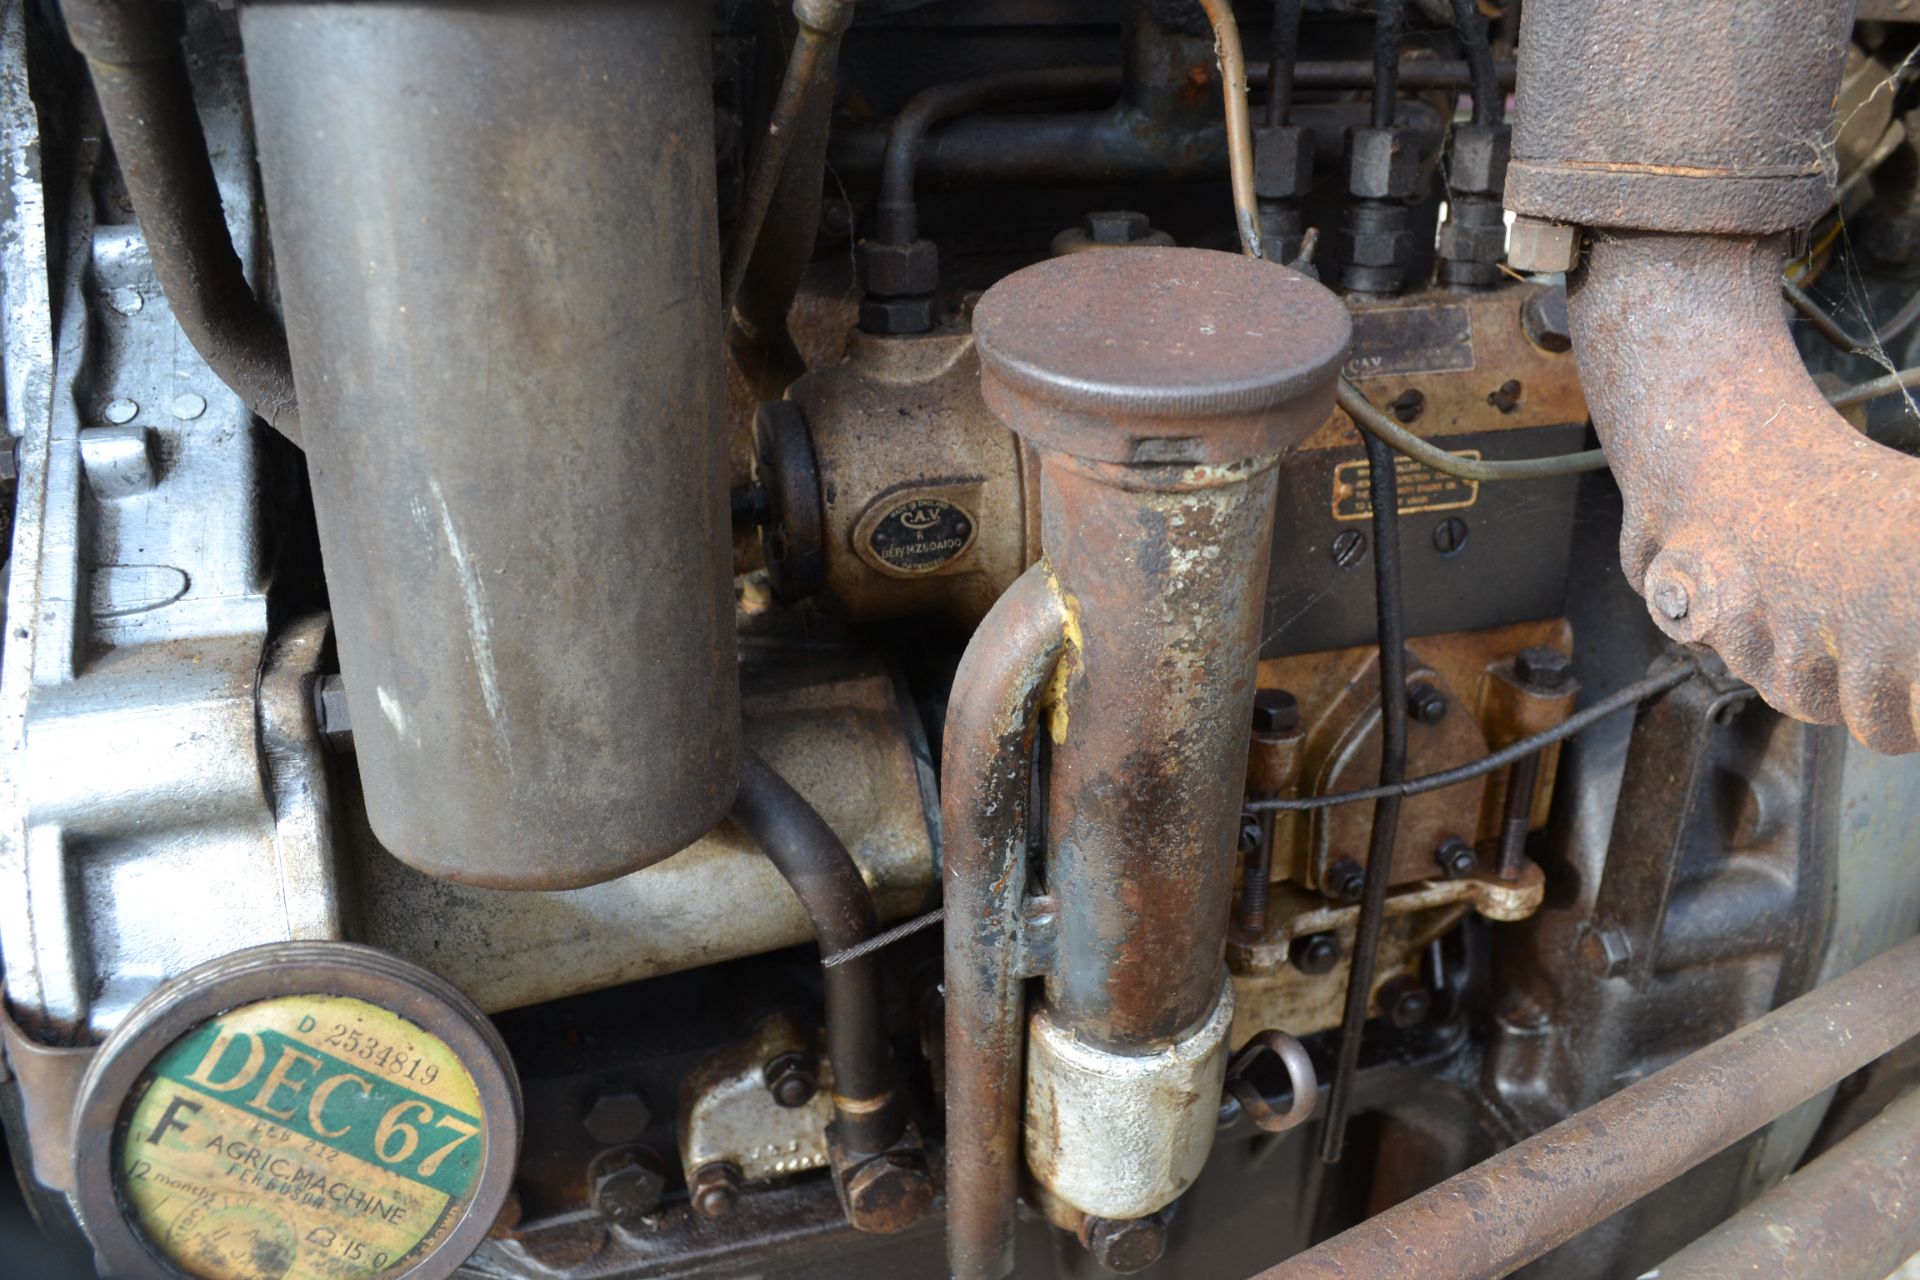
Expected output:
(1386, 62)
(1619, 700)
(1285, 45)
(1488, 101)
(1384, 492)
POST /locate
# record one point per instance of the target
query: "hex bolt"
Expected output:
(1539, 667)
(1404, 1001)
(1607, 952)
(617, 1116)
(1426, 703)
(1408, 405)
(1315, 954)
(1671, 599)
(1349, 548)
(1116, 226)
(1450, 535)
(792, 1078)
(1543, 318)
(627, 1185)
(1346, 879)
(1456, 858)
(1124, 1246)
(1505, 398)
(713, 1188)
(889, 1192)
(330, 716)
(1275, 711)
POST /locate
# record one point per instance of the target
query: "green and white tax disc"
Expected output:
(300, 1111)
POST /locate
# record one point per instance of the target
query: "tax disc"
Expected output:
(298, 1111)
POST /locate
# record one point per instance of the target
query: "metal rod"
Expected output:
(146, 100)
(985, 790)
(1386, 61)
(1852, 1214)
(810, 64)
(1233, 87)
(1282, 60)
(1522, 779)
(1384, 491)
(1614, 703)
(1508, 1210)
(1374, 423)
(823, 875)
(1488, 101)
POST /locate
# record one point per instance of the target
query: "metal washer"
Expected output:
(272, 972)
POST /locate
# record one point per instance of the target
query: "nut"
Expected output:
(1315, 954)
(889, 1191)
(713, 1188)
(1477, 165)
(1607, 952)
(1467, 237)
(1426, 703)
(1282, 161)
(899, 270)
(896, 315)
(1382, 164)
(627, 1185)
(1346, 880)
(1456, 858)
(1124, 1246)
(617, 1116)
(792, 1078)
(1116, 226)
(1542, 247)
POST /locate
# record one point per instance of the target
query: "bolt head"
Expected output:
(1542, 668)
(1282, 161)
(895, 270)
(617, 1116)
(1607, 952)
(1456, 858)
(1426, 703)
(1543, 318)
(1404, 1001)
(792, 1079)
(1116, 226)
(1275, 711)
(1346, 880)
(1542, 248)
(1383, 164)
(1450, 535)
(1124, 1246)
(1477, 165)
(1670, 598)
(627, 1185)
(1409, 405)
(889, 1191)
(1349, 548)
(1315, 954)
(896, 315)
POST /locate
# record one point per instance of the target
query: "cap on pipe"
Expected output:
(1161, 355)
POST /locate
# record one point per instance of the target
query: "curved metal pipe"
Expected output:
(1758, 522)
(987, 772)
(798, 841)
(146, 100)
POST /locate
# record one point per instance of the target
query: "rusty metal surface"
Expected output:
(146, 101)
(1853, 1214)
(512, 407)
(984, 795)
(1758, 523)
(728, 1114)
(1160, 356)
(1625, 117)
(908, 459)
(1510, 1209)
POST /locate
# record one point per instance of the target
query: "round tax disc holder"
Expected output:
(298, 1111)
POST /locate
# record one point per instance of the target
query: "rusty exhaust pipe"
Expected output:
(1159, 387)
(1758, 522)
